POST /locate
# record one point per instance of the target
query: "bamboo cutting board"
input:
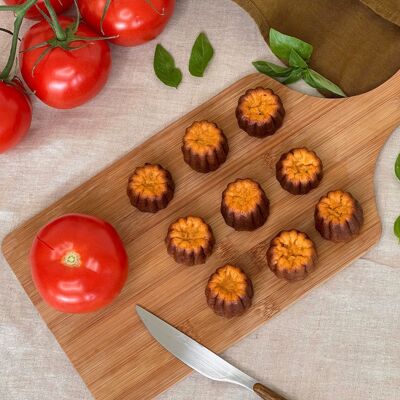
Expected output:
(111, 349)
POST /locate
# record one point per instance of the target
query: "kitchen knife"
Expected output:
(200, 358)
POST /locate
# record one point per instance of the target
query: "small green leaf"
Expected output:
(202, 53)
(272, 70)
(317, 81)
(281, 45)
(165, 69)
(295, 60)
(397, 167)
(294, 76)
(396, 227)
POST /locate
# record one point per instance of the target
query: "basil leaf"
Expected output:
(317, 81)
(295, 60)
(272, 70)
(396, 227)
(202, 53)
(281, 45)
(397, 167)
(294, 76)
(164, 67)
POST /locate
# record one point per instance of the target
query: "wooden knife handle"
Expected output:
(266, 393)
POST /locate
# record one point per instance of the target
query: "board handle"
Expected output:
(266, 393)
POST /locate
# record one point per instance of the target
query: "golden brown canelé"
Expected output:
(292, 255)
(229, 291)
(205, 146)
(244, 205)
(338, 216)
(260, 112)
(150, 188)
(299, 170)
(190, 241)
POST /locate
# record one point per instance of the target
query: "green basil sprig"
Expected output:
(200, 57)
(202, 53)
(396, 228)
(165, 69)
(397, 167)
(295, 60)
(296, 53)
(272, 70)
(281, 45)
(294, 76)
(317, 81)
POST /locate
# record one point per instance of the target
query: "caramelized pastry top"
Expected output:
(301, 165)
(229, 283)
(259, 104)
(337, 207)
(292, 249)
(151, 180)
(243, 195)
(203, 137)
(190, 233)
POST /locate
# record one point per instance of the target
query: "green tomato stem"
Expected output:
(20, 12)
(59, 32)
(8, 8)
(150, 3)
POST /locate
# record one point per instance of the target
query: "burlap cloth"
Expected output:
(340, 342)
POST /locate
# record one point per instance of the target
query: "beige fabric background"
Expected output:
(342, 341)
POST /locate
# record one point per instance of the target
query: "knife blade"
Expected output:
(199, 358)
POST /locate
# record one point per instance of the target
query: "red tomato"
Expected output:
(134, 21)
(64, 78)
(59, 6)
(79, 263)
(15, 114)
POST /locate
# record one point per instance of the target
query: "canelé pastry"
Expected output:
(338, 216)
(244, 205)
(229, 291)
(205, 146)
(292, 255)
(150, 188)
(299, 170)
(190, 241)
(260, 112)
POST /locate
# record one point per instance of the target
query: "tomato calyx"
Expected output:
(70, 37)
(71, 259)
(17, 83)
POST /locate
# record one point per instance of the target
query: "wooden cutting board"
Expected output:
(111, 349)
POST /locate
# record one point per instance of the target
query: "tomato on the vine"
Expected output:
(59, 6)
(133, 21)
(78, 263)
(15, 114)
(64, 78)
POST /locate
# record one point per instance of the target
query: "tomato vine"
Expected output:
(19, 11)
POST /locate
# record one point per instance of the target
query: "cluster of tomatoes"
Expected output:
(68, 74)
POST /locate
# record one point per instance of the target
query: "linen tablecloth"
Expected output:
(342, 341)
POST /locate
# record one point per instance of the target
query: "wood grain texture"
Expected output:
(111, 349)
